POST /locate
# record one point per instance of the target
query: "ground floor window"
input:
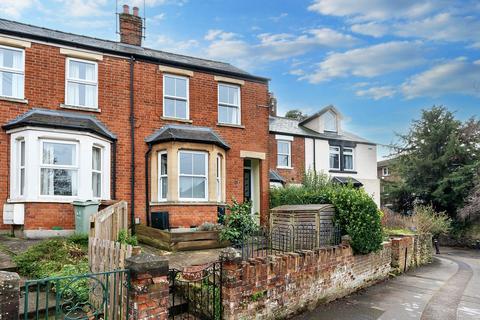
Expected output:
(193, 172)
(60, 166)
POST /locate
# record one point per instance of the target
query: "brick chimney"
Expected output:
(272, 104)
(130, 26)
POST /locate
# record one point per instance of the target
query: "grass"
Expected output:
(398, 231)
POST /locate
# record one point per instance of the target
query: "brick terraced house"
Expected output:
(319, 143)
(85, 118)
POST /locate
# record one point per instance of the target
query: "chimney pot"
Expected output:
(130, 26)
(126, 8)
(135, 11)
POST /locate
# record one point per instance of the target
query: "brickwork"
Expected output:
(45, 88)
(279, 286)
(189, 216)
(9, 295)
(295, 174)
(402, 253)
(422, 249)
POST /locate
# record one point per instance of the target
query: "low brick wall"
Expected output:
(411, 251)
(422, 249)
(280, 286)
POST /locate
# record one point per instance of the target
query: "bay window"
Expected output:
(162, 176)
(97, 171)
(335, 158)
(12, 72)
(193, 173)
(219, 177)
(228, 104)
(81, 87)
(175, 97)
(58, 169)
(22, 167)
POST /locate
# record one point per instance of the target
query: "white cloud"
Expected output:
(369, 61)
(375, 9)
(15, 8)
(370, 29)
(453, 77)
(279, 17)
(296, 72)
(441, 27)
(166, 43)
(84, 8)
(377, 93)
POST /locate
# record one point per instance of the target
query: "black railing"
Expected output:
(283, 239)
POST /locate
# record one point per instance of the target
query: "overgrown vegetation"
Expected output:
(54, 257)
(239, 224)
(356, 212)
(125, 238)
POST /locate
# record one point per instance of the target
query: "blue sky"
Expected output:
(379, 61)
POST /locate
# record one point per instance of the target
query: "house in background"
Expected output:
(319, 143)
(85, 118)
(387, 175)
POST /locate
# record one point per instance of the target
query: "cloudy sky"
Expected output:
(379, 61)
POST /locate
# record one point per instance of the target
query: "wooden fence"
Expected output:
(107, 223)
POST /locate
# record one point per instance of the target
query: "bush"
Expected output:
(356, 212)
(427, 220)
(78, 289)
(125, 238)
(239, 224)
(49, 257)
(79, 239)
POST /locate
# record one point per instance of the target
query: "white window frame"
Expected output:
(334, 150)
(205, 154)
(218, 176)
(21, 167)
(74, 167)
(352, 153)
(94, 146)
(334, 118)
(161, 176)
(81, 81)
(289, 154)
(186, 99)
(385, 172)
(15, 71)
(239, 106)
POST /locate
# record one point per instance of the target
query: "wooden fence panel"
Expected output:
(107, 223)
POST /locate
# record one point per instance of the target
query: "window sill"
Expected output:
(16, 100)
(238, 126)
(187, 203)
(67, 106)
(176, 119)
(285, 168)
(342, 171)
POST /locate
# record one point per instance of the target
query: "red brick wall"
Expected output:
(49, 215)
(294, 175)
(188, 216)
(45, 88)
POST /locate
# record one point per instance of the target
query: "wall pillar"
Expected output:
(149, 287)
(9, 295)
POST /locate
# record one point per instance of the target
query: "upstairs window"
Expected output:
(175, 97)
(385, 171)
(12, 72)
(228, 104)
(348, 159)
(58, 169)
(284, 154)
(162, 176)
(193, 174)
(330, 121)
(97, 172)
(82, 83)
(335, 158)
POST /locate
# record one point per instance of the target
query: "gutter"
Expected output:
(147, 184)
(132, 143)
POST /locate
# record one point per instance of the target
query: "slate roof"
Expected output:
(274, 176)
(292, 127)
(186, 133)
(49, 35)
(57, 119)
(347, 180)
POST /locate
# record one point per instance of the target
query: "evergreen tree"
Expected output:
(296, 114)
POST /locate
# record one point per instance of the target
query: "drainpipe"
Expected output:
(114, 170)
(147, 184)
(314, 157)
(132, 143)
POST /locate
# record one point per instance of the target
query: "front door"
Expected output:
(247, 181)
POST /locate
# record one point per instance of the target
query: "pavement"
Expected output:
(446, 289)
(10, 246)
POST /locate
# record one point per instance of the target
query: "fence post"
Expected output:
(148, 295)
(9, 295)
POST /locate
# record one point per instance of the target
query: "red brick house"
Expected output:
(85, 118)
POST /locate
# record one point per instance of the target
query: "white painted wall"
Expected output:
(365, 164)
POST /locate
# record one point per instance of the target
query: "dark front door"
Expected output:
(247, 181)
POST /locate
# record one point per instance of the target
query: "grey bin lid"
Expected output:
(85, 203)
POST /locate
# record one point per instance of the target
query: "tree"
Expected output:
(296, 114)
(471, 210)
(437, 160)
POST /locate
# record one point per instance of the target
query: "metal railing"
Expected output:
(288, 239)
(70, 297)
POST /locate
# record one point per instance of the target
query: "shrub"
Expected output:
(76, 289)
(427, 220)
(239, 224)
(79, 239)
(356, 212)
(125, 238)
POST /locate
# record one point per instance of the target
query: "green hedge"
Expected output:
(355, 211)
